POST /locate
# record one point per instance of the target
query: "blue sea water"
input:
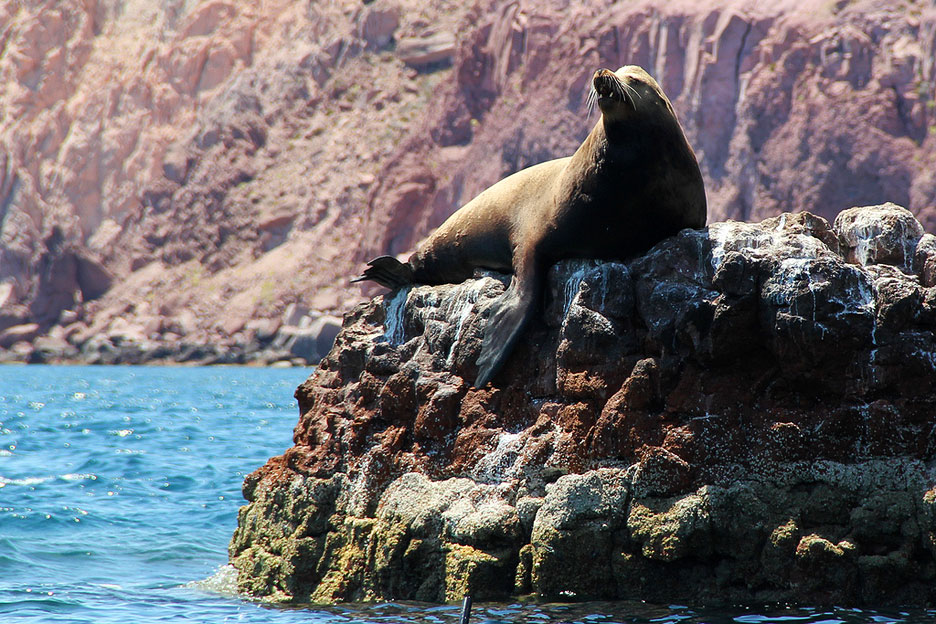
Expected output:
(119, 490)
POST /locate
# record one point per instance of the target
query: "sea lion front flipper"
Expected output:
(387, 271)
(509, 315)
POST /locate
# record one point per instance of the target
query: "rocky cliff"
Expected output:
(176, 174)
(744, 414)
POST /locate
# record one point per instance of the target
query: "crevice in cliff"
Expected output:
(739, 58)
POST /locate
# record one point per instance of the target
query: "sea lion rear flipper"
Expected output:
(387, 271)
(509, 315)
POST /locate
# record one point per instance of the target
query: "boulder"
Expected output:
(377, 25)
(16, 333)
(423, 51)
(742, 415)
(311, 340)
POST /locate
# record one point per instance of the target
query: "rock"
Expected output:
(742, 415)
(378, 25)
(121, 331)
(886, 234)
(16, 333)
(48, 349)
(924, 261)
(311, 341)
(661, 473)
(21, 351)
(75, 333)
(183, 323)
(98, 349)
(572, 534)
(263, 329)
(93, 279)
(293, 314)
(7, 293)
(67, 317)
(326, 329)
(422, 51)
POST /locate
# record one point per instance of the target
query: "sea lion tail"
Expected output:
(509, 315)
(387, 271)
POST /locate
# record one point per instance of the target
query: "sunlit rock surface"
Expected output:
(747, 413)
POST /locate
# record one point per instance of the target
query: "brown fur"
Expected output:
(633, 182)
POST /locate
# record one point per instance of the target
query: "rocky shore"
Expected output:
(298, 338)
(743, 415)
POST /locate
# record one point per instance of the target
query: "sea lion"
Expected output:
(634, 181)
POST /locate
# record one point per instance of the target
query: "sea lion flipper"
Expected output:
(509, 315)
(387, 271)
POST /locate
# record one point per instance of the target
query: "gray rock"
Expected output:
(377, 25)
(312, 342)
(422, 51)
(885, 234)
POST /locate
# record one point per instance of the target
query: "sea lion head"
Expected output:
(626, 92)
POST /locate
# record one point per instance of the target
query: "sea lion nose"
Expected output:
(601, 73)
(601, 81)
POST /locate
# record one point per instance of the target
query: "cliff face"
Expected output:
(210, 163)
(793, 107)
(744, 414)
(211, 158)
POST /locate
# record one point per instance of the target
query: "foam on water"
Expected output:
(223, 582)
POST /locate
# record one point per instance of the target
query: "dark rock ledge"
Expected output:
(745, 414)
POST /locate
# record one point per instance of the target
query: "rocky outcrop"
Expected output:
(744, 414)
(222, 160)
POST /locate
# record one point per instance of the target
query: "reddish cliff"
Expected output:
(212, 164)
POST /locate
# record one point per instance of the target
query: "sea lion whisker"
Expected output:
(632, 90)
(591, 102)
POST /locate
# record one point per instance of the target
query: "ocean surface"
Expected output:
(119, 490)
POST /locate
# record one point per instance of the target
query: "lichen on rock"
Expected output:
(744, 414)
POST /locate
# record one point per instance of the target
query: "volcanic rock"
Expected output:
(742, 415)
